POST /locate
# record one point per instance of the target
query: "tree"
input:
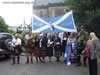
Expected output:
(87, 13)
(3, 25)
(12, 32)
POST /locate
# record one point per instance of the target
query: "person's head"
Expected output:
(57, 35)
(36, 37)
(41, 36)
(81, 28)
(72, 35)
(65, 35)
(49, 37)
(92, 36)
(16, 35)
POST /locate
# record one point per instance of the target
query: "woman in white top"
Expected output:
(71, 42)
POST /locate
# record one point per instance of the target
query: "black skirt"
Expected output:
(49, 51)
(43, 52)
(57, 51)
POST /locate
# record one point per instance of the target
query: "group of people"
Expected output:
(43, 45)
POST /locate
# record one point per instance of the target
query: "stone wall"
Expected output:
(41, 12)
(50, 11)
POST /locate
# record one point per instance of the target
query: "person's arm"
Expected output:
(84, 49)
(18, 42)
(25, 39)
(68, 41)
(93, 50)
(13, 43)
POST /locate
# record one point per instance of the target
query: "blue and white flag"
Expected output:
(66, 57)
(73, 46)
(64, 23)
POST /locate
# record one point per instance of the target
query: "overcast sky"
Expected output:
(14, 11)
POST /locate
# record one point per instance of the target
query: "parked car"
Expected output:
(5, 44)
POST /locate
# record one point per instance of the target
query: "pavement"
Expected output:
(48, 68)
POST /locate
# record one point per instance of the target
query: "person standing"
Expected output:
(43, 45)
(16, 44)
(49, 48)
(64, 41)
(82, 38)
(71, 41)
(92, 51)
(37, 48)
(57, 47)
(29, 45)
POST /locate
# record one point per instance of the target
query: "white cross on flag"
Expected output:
(64, 23)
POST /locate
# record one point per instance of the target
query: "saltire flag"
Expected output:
(66, 57)
(64, 23)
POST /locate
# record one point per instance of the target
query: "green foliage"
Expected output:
(22, 35)
(87, 13)
(11, 32)
(3, 25)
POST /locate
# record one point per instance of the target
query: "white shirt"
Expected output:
(27, 37)
(71, 40)
(64, 38)
(16, 42)
(49, 43)
(40, 42)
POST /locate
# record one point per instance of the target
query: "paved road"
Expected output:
(53, 68)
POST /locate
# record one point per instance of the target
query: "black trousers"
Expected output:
(92, 66)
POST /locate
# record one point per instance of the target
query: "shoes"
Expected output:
(69, 63)
(49, 61)
(85, 65)
(79, 64)
(27, 62)
(57, 60)
(18, 63)
(43, 61)
(12, 63)
(31, 62)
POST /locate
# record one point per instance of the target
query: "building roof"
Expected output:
(47, 3)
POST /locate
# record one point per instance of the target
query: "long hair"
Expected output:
(94, 37)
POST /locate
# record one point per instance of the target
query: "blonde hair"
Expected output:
(92, 34)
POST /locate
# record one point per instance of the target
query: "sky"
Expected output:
(15, 12)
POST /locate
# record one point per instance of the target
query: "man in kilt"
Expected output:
(82, 38)
(29, 45)
(16, 48)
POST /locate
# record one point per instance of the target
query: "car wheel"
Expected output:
(8, 44)
(7, 56)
